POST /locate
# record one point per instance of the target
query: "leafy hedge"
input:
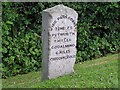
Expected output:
(98, 33)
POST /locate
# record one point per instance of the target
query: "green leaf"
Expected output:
(4, 50)
(9, 22)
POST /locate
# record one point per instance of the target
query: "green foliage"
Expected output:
(98, 27)
(21, 45)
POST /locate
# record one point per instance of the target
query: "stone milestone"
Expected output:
(58, 41)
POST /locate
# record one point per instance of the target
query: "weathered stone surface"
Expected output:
(58, 41)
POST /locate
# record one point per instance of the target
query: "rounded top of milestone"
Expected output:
(60, 9)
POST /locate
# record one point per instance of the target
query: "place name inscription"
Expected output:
(62, 37)
(54, 35)
(64, 17)
(63, 57)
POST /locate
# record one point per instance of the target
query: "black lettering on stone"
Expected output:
(63, 17)
(71, 19)
(62, 51)
(63, 57)
(72, 33)
(53, 24)
(62, 46)
(62, 40)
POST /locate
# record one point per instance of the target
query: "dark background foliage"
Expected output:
(98, 33)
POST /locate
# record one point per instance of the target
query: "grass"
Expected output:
(97, 73)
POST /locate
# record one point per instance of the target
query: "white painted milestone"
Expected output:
(58, 41)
